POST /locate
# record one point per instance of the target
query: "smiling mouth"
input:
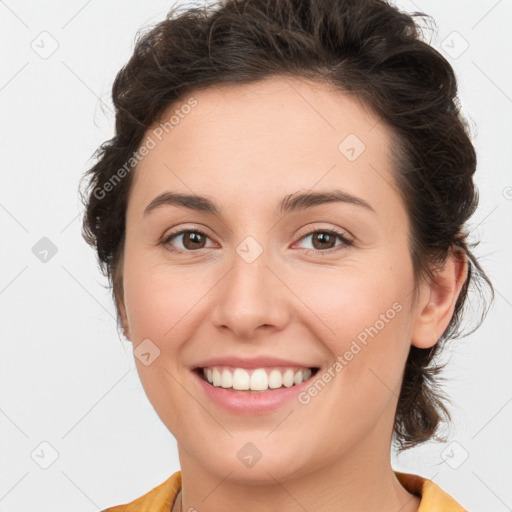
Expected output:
(255, 380)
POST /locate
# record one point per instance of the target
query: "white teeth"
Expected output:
(240, 379)
(227, 379)
(259, 380)
(275, 379)
(216, 377)
(288, 377)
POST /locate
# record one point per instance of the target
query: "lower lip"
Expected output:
(242, 402)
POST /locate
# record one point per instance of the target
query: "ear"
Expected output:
(437, 302)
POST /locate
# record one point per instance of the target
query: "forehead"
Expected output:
(263, 139)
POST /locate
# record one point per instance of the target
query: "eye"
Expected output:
(324, 240)
(195, 239)
(191, 240)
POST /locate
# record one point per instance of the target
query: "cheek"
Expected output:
(160, 307)
(159, 303)
(348, 302)
(365, 323)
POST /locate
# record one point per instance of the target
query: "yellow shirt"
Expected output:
(161, 498)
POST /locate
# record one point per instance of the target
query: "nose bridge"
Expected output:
(250, 295)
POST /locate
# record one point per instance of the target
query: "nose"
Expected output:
(251, 299)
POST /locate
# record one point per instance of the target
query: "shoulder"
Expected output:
(432, 496)
(158, 499)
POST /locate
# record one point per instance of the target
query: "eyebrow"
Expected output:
(292, 202)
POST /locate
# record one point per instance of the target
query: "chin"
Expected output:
(258, 462)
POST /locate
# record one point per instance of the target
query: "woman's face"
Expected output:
(269, 281)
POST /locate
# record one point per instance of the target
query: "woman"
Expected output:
(281, 214)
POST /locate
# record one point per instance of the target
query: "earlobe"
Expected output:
(433, 317)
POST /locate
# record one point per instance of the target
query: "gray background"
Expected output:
(77, 430)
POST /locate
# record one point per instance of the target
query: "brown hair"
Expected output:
(363, 47)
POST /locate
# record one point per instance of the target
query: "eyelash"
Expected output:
(346, 241)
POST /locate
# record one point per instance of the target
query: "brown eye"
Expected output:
(324, 241)
(191, 240)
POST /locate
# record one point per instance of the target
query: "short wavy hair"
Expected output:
(367, 48)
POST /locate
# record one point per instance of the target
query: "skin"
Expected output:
(246, 147)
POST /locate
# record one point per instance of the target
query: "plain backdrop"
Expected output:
(77, 431)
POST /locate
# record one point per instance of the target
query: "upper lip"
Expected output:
(250, 362)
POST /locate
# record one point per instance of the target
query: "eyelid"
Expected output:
(181, 228)
(316, 228)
